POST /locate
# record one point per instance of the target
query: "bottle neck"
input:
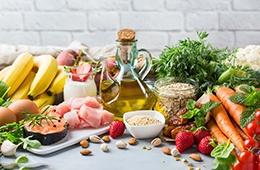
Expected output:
(126, 57)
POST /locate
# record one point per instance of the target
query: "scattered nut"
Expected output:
(132, 141)
(85, 152)
(166, 150)
(174, 152)
(94, 138)
(121, 144)
(106, 138)
(84, 143)
(156, 142)
(195, 157)
(104, 147)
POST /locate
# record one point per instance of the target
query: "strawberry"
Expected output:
(184, 140)
(200, 134)
(116, 128)
(206, 145)
(83, 70)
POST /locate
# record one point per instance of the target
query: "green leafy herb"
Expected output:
(223, 156)
(27, 142)
(251, 99)
(199, 60)
(199, 114)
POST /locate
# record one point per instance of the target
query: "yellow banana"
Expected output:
(3, 72)
(19, 70)
(58, 83)
(47, 69)
(43, 100)
(22, 91)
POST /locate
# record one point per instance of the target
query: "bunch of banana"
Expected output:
(39, 79)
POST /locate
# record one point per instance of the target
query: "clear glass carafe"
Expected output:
(127, 91)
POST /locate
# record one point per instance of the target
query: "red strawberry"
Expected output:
(184, 140)
(206, 145)
(200, 134)
(83, 71)
(116, 128)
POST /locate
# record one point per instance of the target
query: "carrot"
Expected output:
(239, 130)
(215, 131)
(224, 123)
(235, 110)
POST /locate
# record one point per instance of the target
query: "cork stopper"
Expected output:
(126, 35)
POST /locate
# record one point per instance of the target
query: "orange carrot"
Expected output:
(224, 123)
(234, 110)
(239, 130)
(215, 131)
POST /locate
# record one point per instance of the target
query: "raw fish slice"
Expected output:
(90, 115)
(72, 118)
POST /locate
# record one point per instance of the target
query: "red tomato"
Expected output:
(253, 128)
(257, 116)
(251, 144)
(239, 166)
(247, 157)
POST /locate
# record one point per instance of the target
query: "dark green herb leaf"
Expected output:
(238, 98)
(247, 116)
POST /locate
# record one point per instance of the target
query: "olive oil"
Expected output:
(130, 95)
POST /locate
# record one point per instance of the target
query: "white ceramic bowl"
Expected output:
(147, 131)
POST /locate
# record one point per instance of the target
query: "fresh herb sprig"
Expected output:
(199, 114)
(36, 119)
(223, 157)
(249, 97)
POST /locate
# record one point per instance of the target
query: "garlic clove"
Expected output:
(9, 165)
(8, 148)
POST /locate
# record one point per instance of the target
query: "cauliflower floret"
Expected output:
(250, 56)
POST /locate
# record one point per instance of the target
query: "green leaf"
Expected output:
(209, 106)
(222, 150)
(247, 116)
(3, 90)
(27, 142)
(21, 159)
(238, 98)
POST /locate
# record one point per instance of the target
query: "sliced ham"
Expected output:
(106, 117)
(72, 118)
(90, 115)
(84, 113)
(63, 108)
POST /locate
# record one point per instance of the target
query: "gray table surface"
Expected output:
(133, 157)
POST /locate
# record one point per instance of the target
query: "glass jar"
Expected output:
(75, 87)
(173, 93)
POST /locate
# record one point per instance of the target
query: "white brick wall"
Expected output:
(230, 23)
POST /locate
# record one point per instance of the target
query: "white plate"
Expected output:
(73, 137)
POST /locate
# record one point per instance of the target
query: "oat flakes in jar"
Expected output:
(173, 93)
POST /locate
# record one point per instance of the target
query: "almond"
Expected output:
(94, 138)
(166, 150)
(106, 138)
(132, 141)
(156, 142)
(85, 152)
(84, 143)
(195, 157)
